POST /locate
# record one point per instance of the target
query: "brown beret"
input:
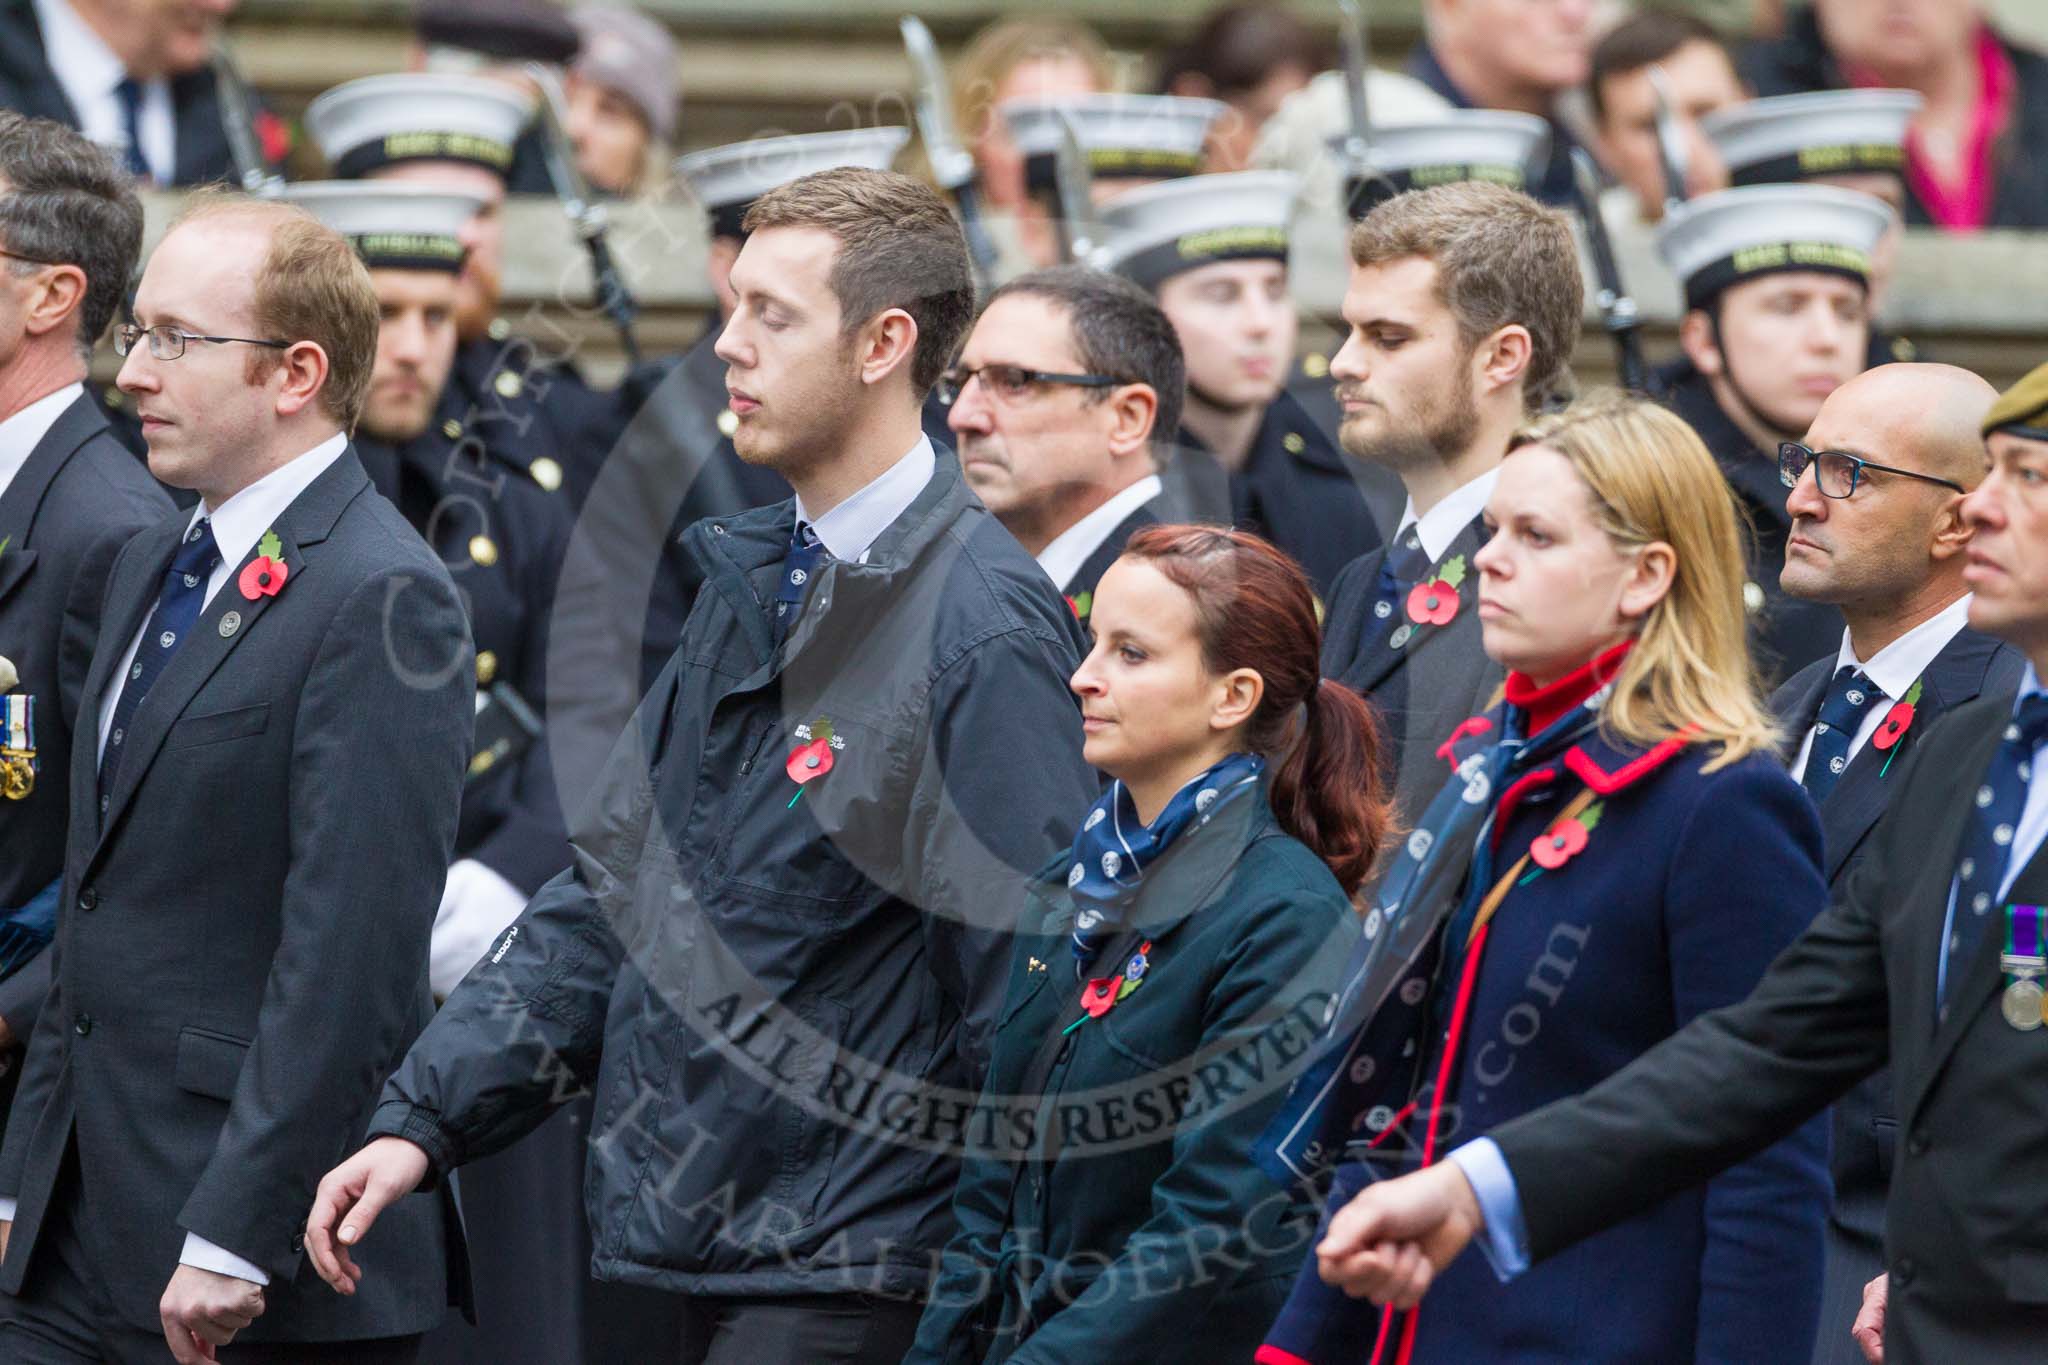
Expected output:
(2025, 404)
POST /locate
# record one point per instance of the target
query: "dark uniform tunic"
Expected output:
(502, 536)
(534, 412)
(1785, 633)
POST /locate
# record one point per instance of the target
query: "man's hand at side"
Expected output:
(1391, 1241)
(1868, 1329)
(350, 1197)
(201, 1310)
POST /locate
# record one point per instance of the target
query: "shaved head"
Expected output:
(1927, 418)
(1891, 554)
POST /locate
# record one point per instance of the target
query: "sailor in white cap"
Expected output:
(1213, 250)
(1494, 145)
(502, 540)
(458, 133)
(1852, 139)
(1776, 281)
(1129, 140)
(727, 180)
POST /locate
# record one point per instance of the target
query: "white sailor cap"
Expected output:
(1724, 238)
(381, 120)
(727, 180)
(1828, 132)
(392, 225)
(1153, 137)
(1154, 232)
(1450, 147)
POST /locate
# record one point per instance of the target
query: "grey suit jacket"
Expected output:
(241, 952)
(65, 515)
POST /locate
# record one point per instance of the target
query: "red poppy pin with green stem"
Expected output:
(1436, 602)
(1893, 727)
(1562, 842)
(812, 757)
(264, 575)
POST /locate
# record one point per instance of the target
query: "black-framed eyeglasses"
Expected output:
(167, 342)
(1014, 381)
(1836, 472)
(31, 260)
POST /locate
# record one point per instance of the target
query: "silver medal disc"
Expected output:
(2021, 1004)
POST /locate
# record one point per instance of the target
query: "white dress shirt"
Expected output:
(848, 530)
(89, 72)
(1069, 550)
(1894, 669)
(1438, 527)
(23, 432)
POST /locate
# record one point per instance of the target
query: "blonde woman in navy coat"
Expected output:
(1617, 849)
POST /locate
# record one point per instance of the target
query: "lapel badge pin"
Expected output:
(229, 624)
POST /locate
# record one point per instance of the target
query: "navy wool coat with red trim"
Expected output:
(1689, 884)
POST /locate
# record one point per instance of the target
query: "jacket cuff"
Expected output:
(422, 1128)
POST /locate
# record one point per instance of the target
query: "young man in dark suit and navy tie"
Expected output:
(1931, 959)
(1067, 385)
(283, 688)
(70, 497)
(1464, 308)
(1888, 546)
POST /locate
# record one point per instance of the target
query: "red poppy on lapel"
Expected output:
(1897, 720)
(1436, 603)
(1100, 994)
(811, 760)
(264, 575)
(1564, 840)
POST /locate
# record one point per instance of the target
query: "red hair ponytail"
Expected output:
(1254, 609)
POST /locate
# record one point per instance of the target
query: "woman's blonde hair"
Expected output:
(1651, 479)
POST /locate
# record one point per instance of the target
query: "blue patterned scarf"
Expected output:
(1115, 847)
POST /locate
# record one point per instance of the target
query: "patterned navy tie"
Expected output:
(799, 567)
(1987, 843)
(1401, 568)
(1841, 712)
(129, 92)
(177, 611)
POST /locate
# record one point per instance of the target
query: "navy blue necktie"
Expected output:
(177, 612)
(1841, 712)
(129, 92)
(1401, 568)
(799, 567)
(1994, 817)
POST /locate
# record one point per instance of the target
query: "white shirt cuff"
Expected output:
(7, 1205)
(206, 1256)
(476, 905)
(1506, 1240)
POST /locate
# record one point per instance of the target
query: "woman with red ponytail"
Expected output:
(1170, 973)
